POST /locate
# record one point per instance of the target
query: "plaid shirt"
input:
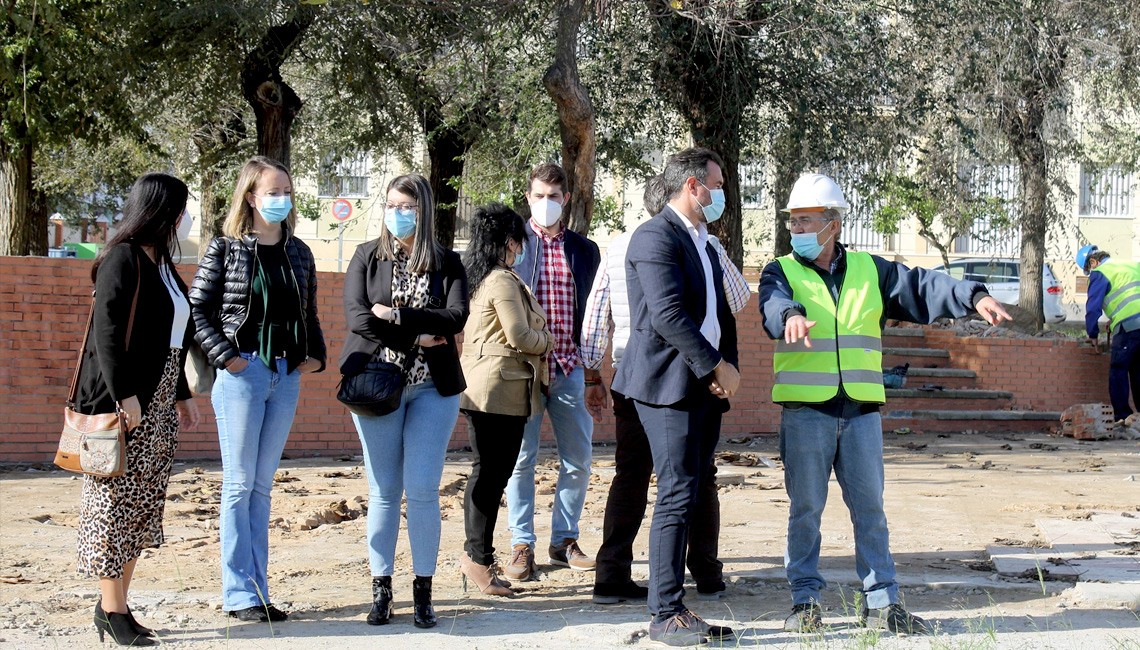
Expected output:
(556, 295)
(599, 314)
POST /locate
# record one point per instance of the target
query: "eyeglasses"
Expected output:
(400, 206)
(802, 222)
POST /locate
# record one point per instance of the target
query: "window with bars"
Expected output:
(858, 231)
(992, 235)
(1105, 192)
(753, 186)
(344, 176)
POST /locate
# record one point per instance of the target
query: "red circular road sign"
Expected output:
(341, 209)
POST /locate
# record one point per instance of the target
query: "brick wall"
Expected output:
(44, 305)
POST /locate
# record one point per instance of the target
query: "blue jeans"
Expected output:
(403, 454)
(812, 443)
(254, 410)
(573, 433)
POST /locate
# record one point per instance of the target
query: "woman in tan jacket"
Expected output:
(505, 341)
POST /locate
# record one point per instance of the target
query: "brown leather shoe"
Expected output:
(521, 566)
(483, 576)
(570, 554)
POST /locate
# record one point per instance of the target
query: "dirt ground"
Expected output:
(948, 497)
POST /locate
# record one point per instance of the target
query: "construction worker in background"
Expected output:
(1114, 289)
(825, 306)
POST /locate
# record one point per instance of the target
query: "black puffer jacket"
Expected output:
(220, 296)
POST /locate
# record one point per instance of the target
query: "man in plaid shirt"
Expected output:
(625, 506)
(559, 267)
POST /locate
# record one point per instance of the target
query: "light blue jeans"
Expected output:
(812, 444)
(573, 433)
(254, 410)
(403, 454)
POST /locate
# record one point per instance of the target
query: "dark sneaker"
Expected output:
(259, 614)
(894, 618)
(806, 618)
(612, 594)
(711, 590)
(678, 630)
(569, 554)
(521, 566)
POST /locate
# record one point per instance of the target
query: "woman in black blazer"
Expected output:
(405, 299)
(134, 363)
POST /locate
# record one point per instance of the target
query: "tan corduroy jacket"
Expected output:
(505, 342)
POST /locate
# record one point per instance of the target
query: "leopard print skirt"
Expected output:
(121, 516)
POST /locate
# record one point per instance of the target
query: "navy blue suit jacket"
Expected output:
(667, 358)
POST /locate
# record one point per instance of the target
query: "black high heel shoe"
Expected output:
(119, 625)
(423, 613)
(140, 629)
(381, 601)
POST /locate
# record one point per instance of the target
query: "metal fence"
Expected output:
(1105, 192)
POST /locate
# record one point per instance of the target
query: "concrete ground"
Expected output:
(1002, 541)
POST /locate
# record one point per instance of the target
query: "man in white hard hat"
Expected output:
(826, 306)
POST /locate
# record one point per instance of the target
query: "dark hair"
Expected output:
(492, 226)
(149, 216)
(427, 254)
(549, 173)
(1098, 256)
(694, 162)
(655, 196)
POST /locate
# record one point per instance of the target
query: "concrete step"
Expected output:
(949, 378)
(982, 421)
(903, 337)
(916, 357)
(965, 399)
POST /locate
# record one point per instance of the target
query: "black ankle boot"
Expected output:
(139, 628)
(122, 632)
(421, 597)
(381, 601)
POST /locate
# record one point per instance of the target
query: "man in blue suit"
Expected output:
(679, 368)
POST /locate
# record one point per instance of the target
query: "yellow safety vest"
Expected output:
(846, 342)
(1123, 299)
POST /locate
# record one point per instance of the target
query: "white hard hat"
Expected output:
(816, 191)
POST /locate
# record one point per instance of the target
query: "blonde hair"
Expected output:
(239, 220)
(427, 254)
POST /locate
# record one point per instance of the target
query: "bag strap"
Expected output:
(87, 332)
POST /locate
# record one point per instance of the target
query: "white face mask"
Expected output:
(184, 226)
(545, 212)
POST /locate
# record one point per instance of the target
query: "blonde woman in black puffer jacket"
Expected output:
(254, 303)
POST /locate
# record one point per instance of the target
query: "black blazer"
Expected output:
(110, 372)
(369, 281)
(667, 358)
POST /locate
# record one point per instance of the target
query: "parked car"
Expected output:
(1002, 278)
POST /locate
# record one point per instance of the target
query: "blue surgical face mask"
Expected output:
(276, 209)
(714, 210)
(400, 223)
(807, 245)
(520, 256)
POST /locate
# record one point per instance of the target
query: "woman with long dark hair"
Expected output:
(139, 295)
(505, 341)
(405, 299)
(254, 301)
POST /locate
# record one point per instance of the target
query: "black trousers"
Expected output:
(682, 438)
(1124, 372)
(495, 443)
(625, 508)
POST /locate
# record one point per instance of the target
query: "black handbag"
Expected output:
(377, 389)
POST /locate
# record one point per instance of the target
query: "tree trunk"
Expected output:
(575, 117)
(788, 152)
(217, 143)
(1022, 124)
(21, 230)
(728, 229)
(446, 146)
(274, 102)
